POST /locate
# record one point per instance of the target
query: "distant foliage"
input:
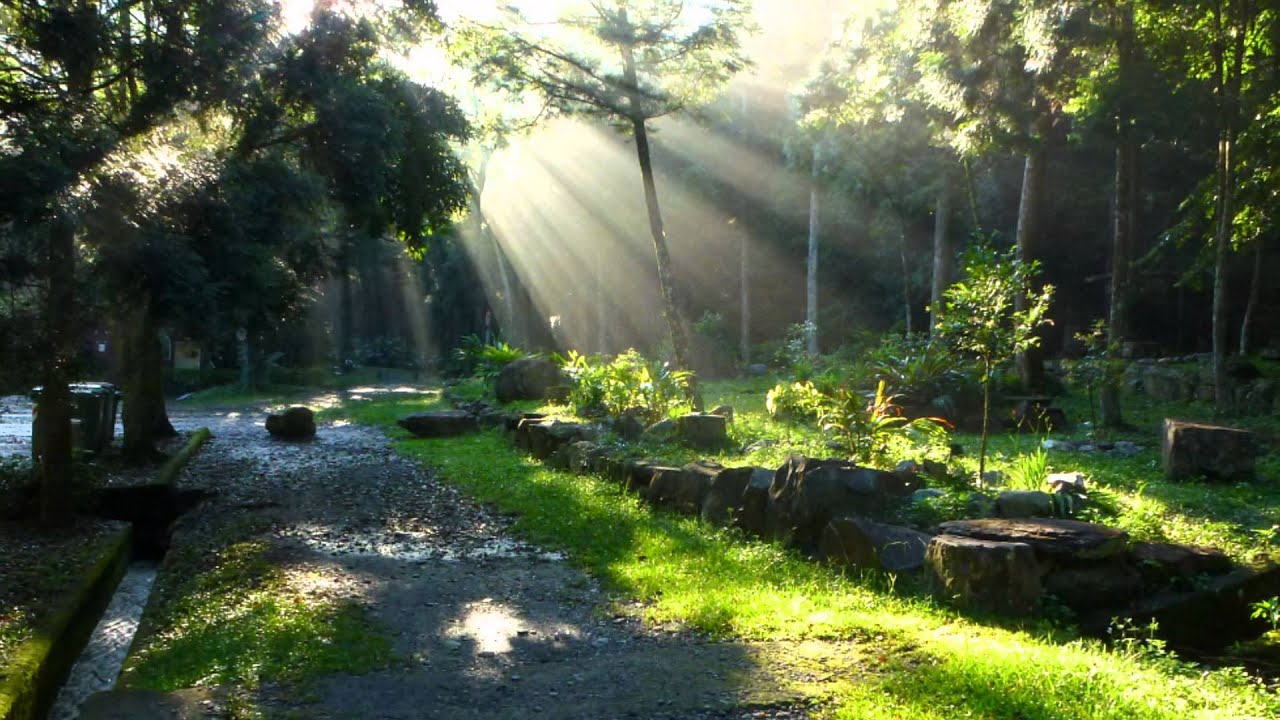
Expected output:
(868, 429)
(627, 382)
(915, 368)
(486, 360)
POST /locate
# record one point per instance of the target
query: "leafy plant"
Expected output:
(1099, 367)
(915, 368)
(627, 383)
(486, 360)
(1268, 610)
(1029, 471)
(866, 428)
(800, 400)
(980, 318)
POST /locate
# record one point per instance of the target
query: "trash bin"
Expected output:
(94, 406)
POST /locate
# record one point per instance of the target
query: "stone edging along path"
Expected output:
(30, 682)
(834, 511)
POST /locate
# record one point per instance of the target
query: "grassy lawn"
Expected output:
(928, 661)
(225, 613)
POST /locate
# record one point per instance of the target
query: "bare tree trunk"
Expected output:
(54, 416)
(666, 281)
(1227, 80)
(142, 366)
(744, 299)
(811, 266)
(1255, 290)
(906, 279)
(943, 254)
(1031, 361)
(1122, 230)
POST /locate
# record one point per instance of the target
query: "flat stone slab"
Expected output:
(443, 423)
(1049, 537)
(984, 575)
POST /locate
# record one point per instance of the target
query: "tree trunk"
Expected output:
(142, 369)
(943, 254)
(666, 281)
(906, 279)
(54, 415)
(1227, 79)
(1122, 230)
(811, 265)
(1255, 290)
(744, 299)
(1031, 361)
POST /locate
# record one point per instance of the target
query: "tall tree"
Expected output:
(628, 63)
(77, 80)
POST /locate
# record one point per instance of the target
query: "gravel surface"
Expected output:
(487, 625)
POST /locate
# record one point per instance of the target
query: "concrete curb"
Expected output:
(31, 680)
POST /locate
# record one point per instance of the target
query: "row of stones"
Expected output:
(833, 511)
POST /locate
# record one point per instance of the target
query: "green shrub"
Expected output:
(869, 429)
(795, 401)
(1029, 471)
(628, 382)
(485, 360)
(915, 368)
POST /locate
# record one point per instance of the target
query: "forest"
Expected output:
(959, 243)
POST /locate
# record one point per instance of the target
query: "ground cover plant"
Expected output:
(927, 661)
(224, 612)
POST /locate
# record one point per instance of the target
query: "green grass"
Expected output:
(931, 662)
(225, 615)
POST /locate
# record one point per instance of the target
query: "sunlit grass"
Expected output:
(928, 662)
(231, 618)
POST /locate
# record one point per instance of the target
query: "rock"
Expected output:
(1112, 583)
(1162, 562)
(1190, 450)
(1051, 538)
(439, 423)
(908, 468)
(582, 456)
(757, 369)
(868, 544)
(1073, 483)
(661, 431)
(296, 423)
(1258, 397)
(1126, 448)
(1209, 618)
(527, 379)
(936, 470)
(495, 418)
(685, 491)
(1001, 577)
(980, 505)
(1051, 444)
(723, 504)
(725, 411)
(807, 493)
(757, 507)
(993, 478)
(1024, 504)
(628, 426)
(640, 475)
(703, 430)
(923, 494)
(757, 446)
(1241, 368)
(547, 437)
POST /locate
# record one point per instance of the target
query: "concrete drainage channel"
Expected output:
(151, 511)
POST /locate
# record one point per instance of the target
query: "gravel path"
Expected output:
(488, 626)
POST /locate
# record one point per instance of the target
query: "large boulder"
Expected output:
(528, 379)
(984, 575)
(807, 493)
(1024, 504)
(756, 516)
(685, 490)
(296, 423)
(546, 437)
(723, 504)
(1191, 450)
(1052, 539)
(703, 430)
(440, 423)
(864, 543)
